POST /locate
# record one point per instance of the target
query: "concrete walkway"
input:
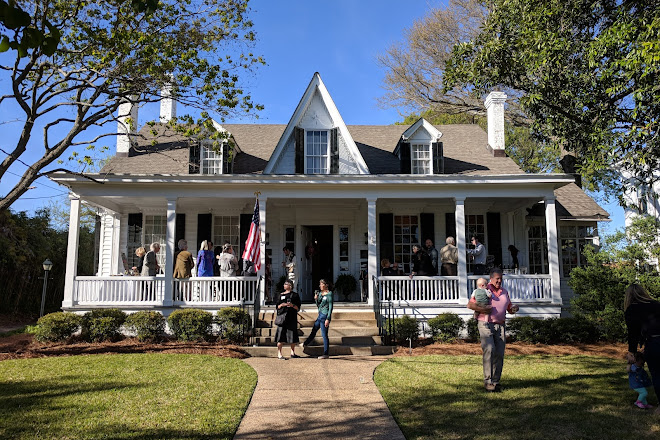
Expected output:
(332, 398)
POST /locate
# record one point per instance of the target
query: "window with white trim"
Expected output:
(573, 240)
(226, 229)
(420, 156)
(537, 240)
(155, 228)
(406, 234)
(474, 225)
(317, 152)
(344, 260)
(210, 160)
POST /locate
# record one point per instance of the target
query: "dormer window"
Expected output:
(317, 157)
(210, 159)
(421, 159)
(204, 159)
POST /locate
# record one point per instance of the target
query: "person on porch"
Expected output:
(227, 261)
(433, 255)
(289, 264)
(421, 262)
(449, 258)
(205, 260)
(478, 255)
(150, 266)
(491, 325)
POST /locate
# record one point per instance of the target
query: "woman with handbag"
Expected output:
(288, 305)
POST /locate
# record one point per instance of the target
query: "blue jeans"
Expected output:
(320, 322)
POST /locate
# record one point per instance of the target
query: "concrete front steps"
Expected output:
(352, 332)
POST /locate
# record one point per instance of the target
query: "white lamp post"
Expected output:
(48, 265)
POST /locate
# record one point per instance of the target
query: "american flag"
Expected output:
(252, 250)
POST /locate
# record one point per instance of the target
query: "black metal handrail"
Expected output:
(384, 315)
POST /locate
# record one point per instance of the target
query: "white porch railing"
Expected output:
(118, 290)
(215, 290)
(526, 288)
(418, 289)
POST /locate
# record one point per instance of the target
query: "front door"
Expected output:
(316, 259)
(305, 286)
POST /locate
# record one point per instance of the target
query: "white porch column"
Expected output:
(72, 252)
(261, 273)
(462, 255)
(372, 262)
(553, 249)
(169, 251)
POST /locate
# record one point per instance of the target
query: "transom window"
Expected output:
(420, 155)
(210, 160)
(316, 156)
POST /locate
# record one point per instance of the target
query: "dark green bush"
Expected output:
(574, 330)
(102, 325)
(446, 327)
(190, 324)
(473, 330)
(528, 329)
(233, 323)
(57, 326)
(148, 325)
(612, 323)
(405, 327)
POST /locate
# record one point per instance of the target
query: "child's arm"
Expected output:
(629, 367)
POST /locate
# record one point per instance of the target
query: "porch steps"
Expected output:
(351, 333)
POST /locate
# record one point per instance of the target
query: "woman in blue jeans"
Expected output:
(323, 300)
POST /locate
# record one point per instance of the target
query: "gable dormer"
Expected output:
(420, 151)
(316, 139)
(212, 156)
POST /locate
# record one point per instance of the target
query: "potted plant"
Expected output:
(346, 285)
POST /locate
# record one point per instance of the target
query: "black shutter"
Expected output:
(204, 228)
(180, 230)
(494, 231)
(193, 164)
(299, 137)
(438, 158)
(450, 225)
(386, 235)
(427, 226)
(404, 156)
(245, 222)
(226, 164)
(334, 151)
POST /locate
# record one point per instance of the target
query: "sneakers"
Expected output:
(641, 405)
(324, 356)
(294, 356)
(490, 387)
(282, 358)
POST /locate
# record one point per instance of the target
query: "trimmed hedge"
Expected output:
(446, 327)
(102, 325)
(148, 325)
(553, 330)
(405, 327)
(190, 324)
(58, 326)
(473, 330)
(233, 323)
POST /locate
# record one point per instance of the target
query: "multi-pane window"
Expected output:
(573, 240)
(538, 250)
(344, 260)
(406, 230)
(474, 225)
(420, 155)
(289, 240)
(226, 229)
(134, 239)
(211, 160)
(155, 227)
(316, 155)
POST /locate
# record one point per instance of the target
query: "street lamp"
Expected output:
(48, 265)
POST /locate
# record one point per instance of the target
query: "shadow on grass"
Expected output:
(567, 398)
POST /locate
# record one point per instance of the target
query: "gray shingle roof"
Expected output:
(574, 203)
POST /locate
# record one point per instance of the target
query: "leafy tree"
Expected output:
(588, 73)
(111, 52)
(520, 144)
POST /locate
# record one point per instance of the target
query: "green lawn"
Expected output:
(571, 397)
(136, 396)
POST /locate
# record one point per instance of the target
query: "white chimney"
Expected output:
(495, 110)
(167, 104)
(127, 116)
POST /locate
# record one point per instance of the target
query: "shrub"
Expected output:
(102, 325)
(612, 323)
(572, 330)
(57, 326)
(148, 325)
(528, 329)
(446, 327)
(190, 324)
(405, 327)
(233, 323)
(473, 330)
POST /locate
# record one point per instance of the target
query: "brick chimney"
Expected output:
(495, 110)
(128, 110)
(167, 104)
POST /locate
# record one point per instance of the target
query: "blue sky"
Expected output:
(340, 39)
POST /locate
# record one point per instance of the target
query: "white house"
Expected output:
(343, 197)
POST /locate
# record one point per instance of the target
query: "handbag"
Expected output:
(279, 319)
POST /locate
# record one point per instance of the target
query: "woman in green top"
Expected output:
(323, 300)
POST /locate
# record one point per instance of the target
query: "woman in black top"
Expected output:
(643, 321)
(288, 304)
(421, 262)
